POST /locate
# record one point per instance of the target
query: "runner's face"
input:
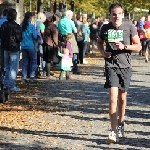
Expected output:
(116, 15)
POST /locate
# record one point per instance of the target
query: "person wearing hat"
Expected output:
(29, 55)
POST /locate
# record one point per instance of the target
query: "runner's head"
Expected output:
(116, 11)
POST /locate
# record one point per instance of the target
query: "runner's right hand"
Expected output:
(107, 54)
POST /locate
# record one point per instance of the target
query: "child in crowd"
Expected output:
(69, 47)
(64, 64)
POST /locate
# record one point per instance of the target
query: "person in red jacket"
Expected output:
(147, 46)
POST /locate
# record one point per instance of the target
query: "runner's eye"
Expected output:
(115, 15)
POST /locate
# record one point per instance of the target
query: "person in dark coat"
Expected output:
(93, 34)
(11, 36)
(50, 37)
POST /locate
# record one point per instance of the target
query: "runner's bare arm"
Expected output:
(136, 44)
(100, 46)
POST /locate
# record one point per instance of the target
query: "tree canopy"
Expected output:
(99, 7)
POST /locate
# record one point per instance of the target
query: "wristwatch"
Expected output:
(125, 46)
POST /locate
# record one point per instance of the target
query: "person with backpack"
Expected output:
(11, 36)
(29, 55)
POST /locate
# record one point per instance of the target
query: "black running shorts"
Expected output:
(118, 77)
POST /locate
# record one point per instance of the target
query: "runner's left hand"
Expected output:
(119, 45)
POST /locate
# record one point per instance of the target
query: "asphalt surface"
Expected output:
(73, 114)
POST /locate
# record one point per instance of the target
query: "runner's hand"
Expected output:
(107, 54)
(119, 45)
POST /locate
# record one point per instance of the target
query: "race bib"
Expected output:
(115, 35)
(148, 33)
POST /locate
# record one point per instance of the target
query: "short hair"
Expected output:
(69, 36)
(78, 16)
(5, 11)
(41, 17)
(49, 17)
(12, 14)
(56, 17)
(69, 12)
(58, 14)
(115, 5)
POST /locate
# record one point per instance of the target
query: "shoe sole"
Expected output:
(111, 140)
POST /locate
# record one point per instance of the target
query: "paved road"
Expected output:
(73, 115)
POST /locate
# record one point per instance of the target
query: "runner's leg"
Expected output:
(113, 92)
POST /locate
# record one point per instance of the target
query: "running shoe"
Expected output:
(112, 138)
(120, 130)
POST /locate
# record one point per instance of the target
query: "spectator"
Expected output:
(29, 55)
(65, 26)
(86, 38)
(10, 34)
(50, 45)
(69, 47)
(89, 21)
(99, 24)
(40, 27)
(2, 20)
(93, 34)
(146, 47)
(80, 36)
(64, 64)
(142, 34)
(105, 21)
